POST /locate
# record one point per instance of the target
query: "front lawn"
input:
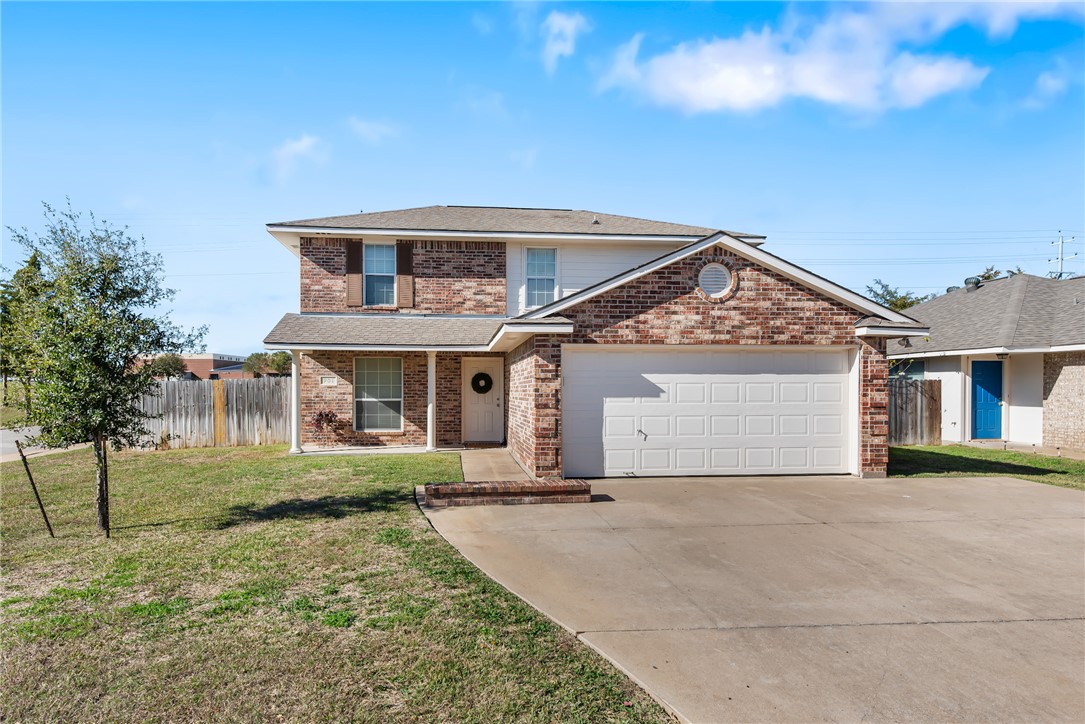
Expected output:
(962, 461)
(246, 584)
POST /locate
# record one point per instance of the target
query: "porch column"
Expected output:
(431, 401)
(295, 402)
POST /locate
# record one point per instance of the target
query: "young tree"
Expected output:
(280, 363)
(168, 365)
(257, 363)
(893, 298)
(26, 284)
(99, 313)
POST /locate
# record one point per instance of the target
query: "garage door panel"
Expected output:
(760, 458)
(656, 459)
(691, 459)
(726, 459)
(705, 412)
(690, 426)
(759, 393)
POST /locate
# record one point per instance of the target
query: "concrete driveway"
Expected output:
(813, 598)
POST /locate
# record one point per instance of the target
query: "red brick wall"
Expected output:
(450, 277)
(323, 275)
(340, 399)
(665, 308)
(1064, 400)
(459, 277)
(520, 403)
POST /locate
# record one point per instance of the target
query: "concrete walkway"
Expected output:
(490, 464)
(812, 599)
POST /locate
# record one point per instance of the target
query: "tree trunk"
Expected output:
(102, 468)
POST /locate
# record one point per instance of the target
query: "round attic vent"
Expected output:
(714, 280)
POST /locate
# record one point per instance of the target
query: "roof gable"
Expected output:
(741, 248)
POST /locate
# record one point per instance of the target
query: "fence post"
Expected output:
(219, 390)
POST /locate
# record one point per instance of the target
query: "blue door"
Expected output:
(986, 396)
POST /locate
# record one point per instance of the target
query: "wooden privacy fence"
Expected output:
(219, 413)
(915, 412)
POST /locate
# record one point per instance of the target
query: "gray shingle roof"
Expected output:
(499, 219)
(1022, 312)
(388, 330)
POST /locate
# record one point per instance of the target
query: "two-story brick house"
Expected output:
(590, 344)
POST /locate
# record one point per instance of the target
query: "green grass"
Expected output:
(246, 584)
(10, 416)
(962, 461)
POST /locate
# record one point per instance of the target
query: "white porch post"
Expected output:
(431, 401)
(295, 402)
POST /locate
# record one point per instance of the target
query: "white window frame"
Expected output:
(354, 389)
(557, 274)
(366, 275)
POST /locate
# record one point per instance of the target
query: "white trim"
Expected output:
(295, 402)
(290, 236)
(743, 249)
(990, 350)
(709, 347)
(394, 275)
(431, 401)
(892, 331)
(557, 274)
(505, 330)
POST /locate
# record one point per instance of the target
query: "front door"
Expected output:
(483, 399)
(987, 400)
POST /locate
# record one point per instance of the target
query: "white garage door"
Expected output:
(691, 411)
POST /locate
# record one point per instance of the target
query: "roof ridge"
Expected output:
(1012, 320)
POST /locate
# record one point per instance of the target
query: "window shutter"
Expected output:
(404, 274)
(354, 273)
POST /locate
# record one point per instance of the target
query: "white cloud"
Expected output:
(285, 156)
(854, 58)
(1049, 85)
(559, 31)
(371, 131)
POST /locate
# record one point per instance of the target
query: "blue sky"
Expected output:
(916, 143)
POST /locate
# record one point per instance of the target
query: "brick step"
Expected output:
(505, 492)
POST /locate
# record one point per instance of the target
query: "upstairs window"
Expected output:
(380, 275)
(542, 276)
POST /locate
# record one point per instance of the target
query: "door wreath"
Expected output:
(482, 383)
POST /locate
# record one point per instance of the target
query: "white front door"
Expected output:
(685, 411)
(483, 399)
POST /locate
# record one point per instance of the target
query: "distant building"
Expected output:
(214, 366)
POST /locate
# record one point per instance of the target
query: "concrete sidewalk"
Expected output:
(812, 598)
(482, 465)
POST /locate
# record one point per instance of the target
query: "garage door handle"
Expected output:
(642, 432)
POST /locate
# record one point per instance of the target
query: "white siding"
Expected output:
(1025, 398)
(948, 370)
(580, 265)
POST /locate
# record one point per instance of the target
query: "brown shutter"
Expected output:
(404, 274)
(354, 273)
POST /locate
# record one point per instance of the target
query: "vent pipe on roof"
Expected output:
(951, 289)
(595, 219)
(972, 283)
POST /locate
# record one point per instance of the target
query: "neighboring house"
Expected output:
(1011, 357)
(213, 366)
(590, 344)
